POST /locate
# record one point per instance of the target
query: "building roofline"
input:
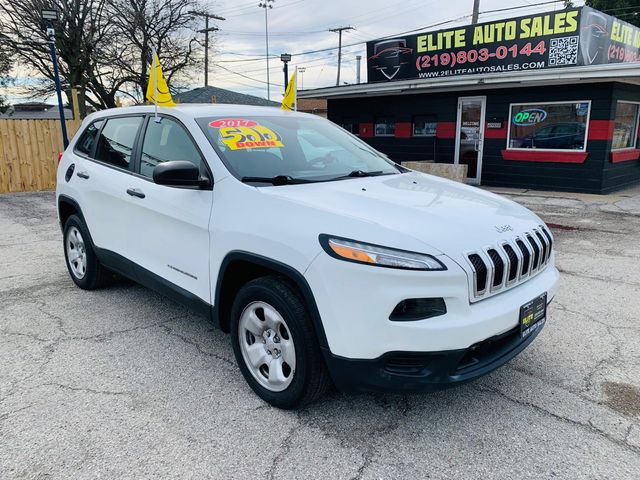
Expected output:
(621, 72)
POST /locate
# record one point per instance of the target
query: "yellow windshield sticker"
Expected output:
(246, 137)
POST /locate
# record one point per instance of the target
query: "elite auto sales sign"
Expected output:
(567, 38)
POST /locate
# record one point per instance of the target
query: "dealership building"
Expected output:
(546, 101)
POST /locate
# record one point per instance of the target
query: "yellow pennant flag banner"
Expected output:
(289, 100)
(158, 90)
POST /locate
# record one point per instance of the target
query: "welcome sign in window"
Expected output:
(549, 126)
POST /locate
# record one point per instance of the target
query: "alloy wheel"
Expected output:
(267, 346)
(76, 253)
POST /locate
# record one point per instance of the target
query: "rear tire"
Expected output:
(275, 344)
(82, 263)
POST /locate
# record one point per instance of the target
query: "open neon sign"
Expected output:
(528, 117)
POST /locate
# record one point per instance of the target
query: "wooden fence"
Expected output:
(29, 153)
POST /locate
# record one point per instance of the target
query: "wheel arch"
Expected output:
(240, 267)
(67, 206)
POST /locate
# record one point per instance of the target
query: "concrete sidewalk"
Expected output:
(624, 201)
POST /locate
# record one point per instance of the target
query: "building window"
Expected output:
(385, 127)
(351, 126)
(625, 131)
(424, 126)
(549, 126)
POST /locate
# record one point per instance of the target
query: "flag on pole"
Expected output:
(289, 100)
(158, 90)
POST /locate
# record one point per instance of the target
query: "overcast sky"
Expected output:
(297, 26)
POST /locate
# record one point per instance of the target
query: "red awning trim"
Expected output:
(446, 130)
(495, 133)
(534, 155)
(618, 156)
(403, 129)
(600, 130)
(365, 130)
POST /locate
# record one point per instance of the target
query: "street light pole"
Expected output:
(286, 58)
(206, 31)
(301, 71)
(48, 19)
(267, 5)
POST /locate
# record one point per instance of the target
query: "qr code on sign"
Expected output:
(563, 51)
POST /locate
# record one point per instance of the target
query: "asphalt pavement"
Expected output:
(122, 383)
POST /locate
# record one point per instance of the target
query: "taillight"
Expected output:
(60, 157)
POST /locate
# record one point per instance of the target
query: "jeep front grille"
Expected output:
(499, 267)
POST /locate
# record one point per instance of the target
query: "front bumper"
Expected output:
(355, 302)
(429, 371)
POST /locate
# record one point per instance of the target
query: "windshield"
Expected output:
(308, 149)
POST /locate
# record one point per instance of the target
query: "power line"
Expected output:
(519, 7)
(251, 12)
(248, 77)
(277, 34)
(419, 29)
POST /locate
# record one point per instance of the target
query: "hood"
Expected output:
(448, 216)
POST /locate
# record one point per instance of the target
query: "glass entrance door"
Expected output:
(470, 136)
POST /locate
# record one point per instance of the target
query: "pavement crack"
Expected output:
(608, 360)
(587, 426)
(368, 459)
(595, 277)
(563, 308)
(59, 321)
(86, 390)
(283, 448)
(6, 415)
(197, 346)
(31, 336)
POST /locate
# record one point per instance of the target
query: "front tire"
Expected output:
(275, 344)
(82, 263)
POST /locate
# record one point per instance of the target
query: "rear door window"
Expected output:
(115, 145)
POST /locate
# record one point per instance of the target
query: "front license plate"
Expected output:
(533, 315)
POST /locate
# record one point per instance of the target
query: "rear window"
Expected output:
(88, 138)
(308, 148)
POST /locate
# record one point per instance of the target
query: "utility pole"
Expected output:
(206, 31)
(476, 12)
(267, 5)
(301, 71)
(49, 18)
(358, 59)
(339, 31)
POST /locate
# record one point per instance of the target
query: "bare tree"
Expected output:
(168, 25)
(81, 29)
(104, 46)
(6, 62)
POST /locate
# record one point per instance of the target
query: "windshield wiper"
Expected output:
(361, 173)
(277, 180)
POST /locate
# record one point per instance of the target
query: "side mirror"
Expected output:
(179, 173)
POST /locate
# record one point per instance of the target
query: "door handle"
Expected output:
(84, 175)
(134, 192)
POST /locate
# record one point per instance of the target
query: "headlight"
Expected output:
(358, 252)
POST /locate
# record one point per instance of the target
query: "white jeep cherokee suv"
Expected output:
(326, 262)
